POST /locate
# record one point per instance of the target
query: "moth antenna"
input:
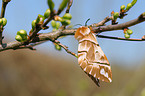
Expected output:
(87, 22)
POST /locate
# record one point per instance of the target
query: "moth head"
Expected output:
(81, 32)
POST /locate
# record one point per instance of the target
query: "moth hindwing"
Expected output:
(91, 58)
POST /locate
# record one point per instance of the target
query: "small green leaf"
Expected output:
(51, 5)
(63, 4)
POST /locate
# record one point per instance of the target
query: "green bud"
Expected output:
(126, 36)
(53, 24)
(51, 5)
(129, 5)
(63, 4)
(24, 38)
(60, 19)
(42, 18)
(18, 38)
(129, 32)
(33, 24)
(4, 21)
(65, 22)
(143, 13)
(57, 47)
(67, 16)
(54, 29)
(115, 15)
(22, 33)
(1, 21)
(122, 7)
(47, 13)
(57, 25)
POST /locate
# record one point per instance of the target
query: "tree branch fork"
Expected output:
(52, 36)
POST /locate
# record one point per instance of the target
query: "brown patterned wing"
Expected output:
(91, 58)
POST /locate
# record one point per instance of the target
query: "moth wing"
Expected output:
(92, 59)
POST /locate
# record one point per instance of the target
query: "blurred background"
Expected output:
(48, 72)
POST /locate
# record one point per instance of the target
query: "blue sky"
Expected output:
(20, 14)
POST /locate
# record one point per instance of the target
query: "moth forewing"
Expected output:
(91, 58)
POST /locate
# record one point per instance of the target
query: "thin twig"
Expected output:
(69, 5)
(65, 48)
(136, 21)
(119, 38)
(3, 9)
(101, 23)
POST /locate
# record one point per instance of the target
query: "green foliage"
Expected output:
(63, 4)
(47, 13)
(51, 5)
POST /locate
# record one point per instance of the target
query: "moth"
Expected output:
(91, 58)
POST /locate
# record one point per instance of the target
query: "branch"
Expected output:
(55, 35)
(69, 5)
(65, 48)
(136, 21)
(119, 38)
(3, 9)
